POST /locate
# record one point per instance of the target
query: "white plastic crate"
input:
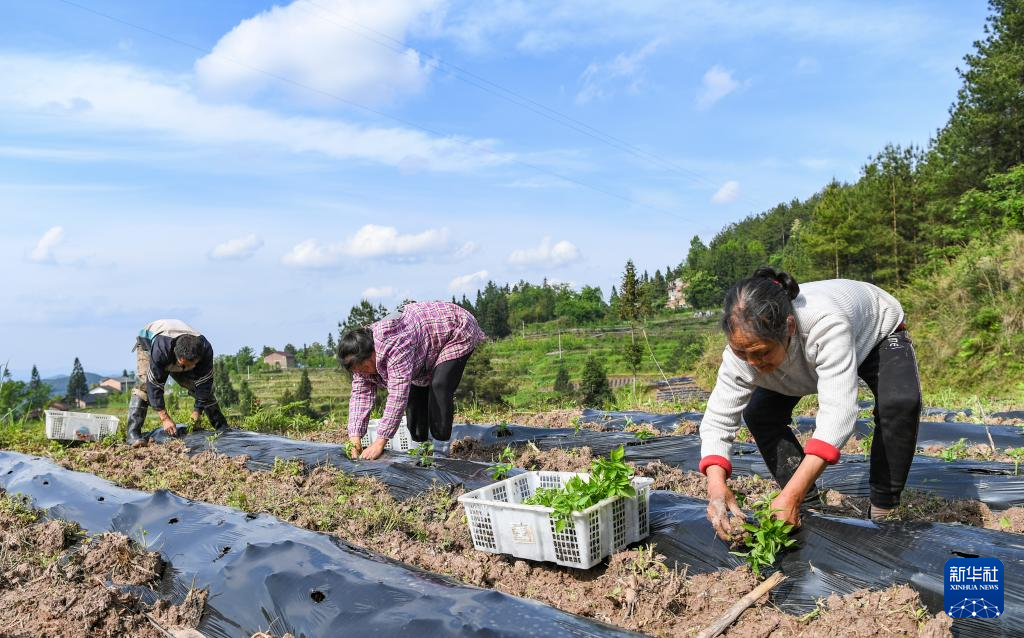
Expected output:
(79, 426)
(400, 442)
(501, 524)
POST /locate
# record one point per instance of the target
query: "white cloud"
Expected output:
(43, 252)
(547, 254)
(328, 45)
(372, 242)
(467, 249)
(468, 283)
(381, 292)
(602, 80)
(807, 66)
(717, 83)
(237, 249)
(115, 99)
(727, 194)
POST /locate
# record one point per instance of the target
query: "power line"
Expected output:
(502, 92)
(368, 109)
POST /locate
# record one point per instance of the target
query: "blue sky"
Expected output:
(256, 169)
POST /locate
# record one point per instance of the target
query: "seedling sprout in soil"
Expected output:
(1017, 454)
(425, 452)
(956, 451)
(643, 435)
(503, 430)
(506, 463)
(608, 477)
(765, 537)
(349, 448)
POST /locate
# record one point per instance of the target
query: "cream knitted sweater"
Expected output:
(839, 322)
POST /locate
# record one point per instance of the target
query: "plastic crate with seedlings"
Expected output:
(573, 519)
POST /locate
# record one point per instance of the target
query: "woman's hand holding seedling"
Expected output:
(375, 450)
(721, 501)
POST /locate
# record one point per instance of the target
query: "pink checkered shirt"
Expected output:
(409, 347)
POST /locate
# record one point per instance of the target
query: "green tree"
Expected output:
(594, 388)
(482, 383)
(222, 388)
(244, 358)
(629, 294)
(331, 345)
(78, 385)
(246, 400)
(563, 386)
(38, 392)
(305, 391)
(362, 315)
(492, 311)
(703, 290)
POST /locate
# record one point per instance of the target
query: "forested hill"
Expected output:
(939, 225)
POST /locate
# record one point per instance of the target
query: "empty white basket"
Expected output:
(79, 426)
(400, 442)
(501, 524)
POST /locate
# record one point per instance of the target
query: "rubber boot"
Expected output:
(137, 409)
(217, 418)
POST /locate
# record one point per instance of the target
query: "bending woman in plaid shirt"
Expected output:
(418, 355)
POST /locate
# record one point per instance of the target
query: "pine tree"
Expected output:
(629, 294)
(78, 385)
(481, 382)
(305, 391)
(222, 388)
(563, 385)
(38, 392)
(245, 399)
(331, 345)
(594, 386)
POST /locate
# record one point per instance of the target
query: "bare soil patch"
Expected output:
(52, 581)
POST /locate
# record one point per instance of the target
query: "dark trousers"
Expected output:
(431, 409)
(890, 370)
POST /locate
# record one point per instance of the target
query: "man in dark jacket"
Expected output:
(171, 348)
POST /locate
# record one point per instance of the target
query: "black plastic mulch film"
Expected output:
(834, 555)
(264, 574)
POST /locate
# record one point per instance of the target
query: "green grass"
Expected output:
(532, 362)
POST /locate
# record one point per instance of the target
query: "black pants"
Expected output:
(890, 370)
(431, 409)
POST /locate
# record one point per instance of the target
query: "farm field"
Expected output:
(422, 524)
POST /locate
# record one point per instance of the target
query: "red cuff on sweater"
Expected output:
(714, 459)
(819, 448)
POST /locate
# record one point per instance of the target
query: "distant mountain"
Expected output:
(59, 385)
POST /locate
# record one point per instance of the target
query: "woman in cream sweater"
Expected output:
(787, 341)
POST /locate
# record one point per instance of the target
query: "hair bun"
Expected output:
(780, 277)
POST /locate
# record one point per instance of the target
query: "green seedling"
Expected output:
(954, 452)
(643, 435)
(608, 478)
(865, 443)
(1005, 523)
(577, 426)
(765, 537)
(425, 452)
(1017, 454)
(350, 449)
(503, 429)
(505, 464)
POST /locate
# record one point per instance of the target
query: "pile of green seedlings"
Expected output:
(608, 478)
